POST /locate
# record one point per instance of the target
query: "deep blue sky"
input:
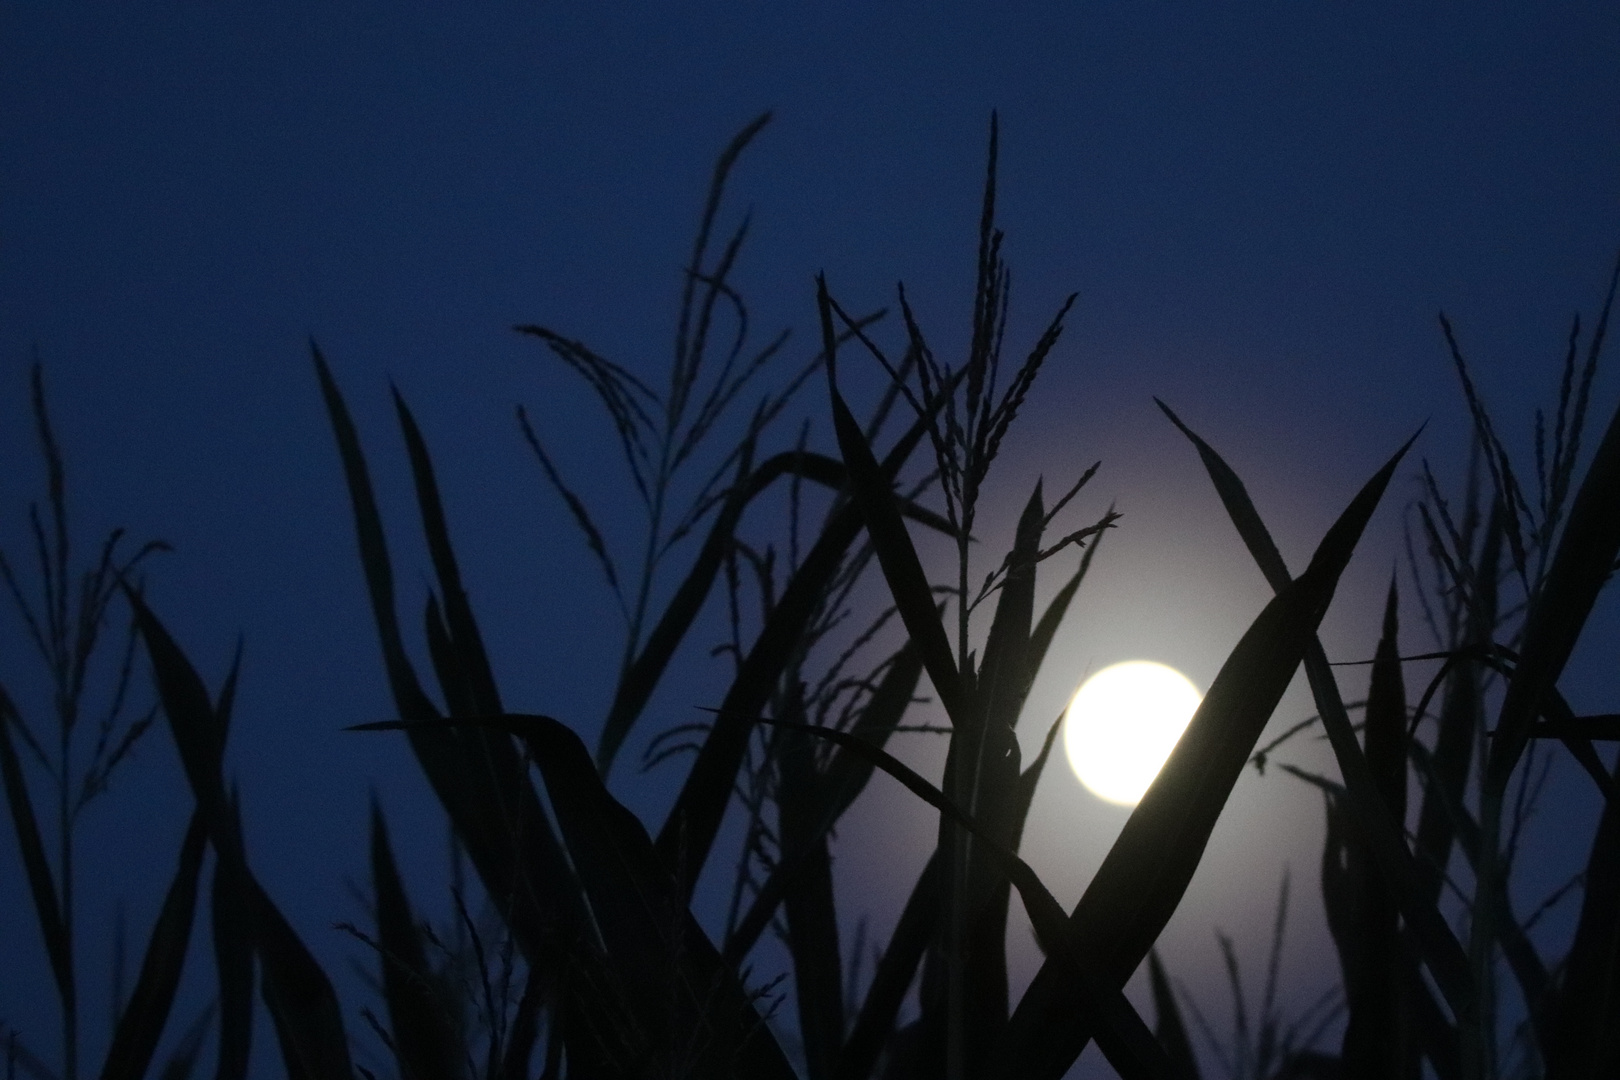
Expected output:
(1262, 206)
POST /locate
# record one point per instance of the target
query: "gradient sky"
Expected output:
(1262, 206)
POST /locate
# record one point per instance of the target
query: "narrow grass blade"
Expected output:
(141, 1025)
(1145, 873)
(1006, 671)
(1583, 563)
(299, 997)
(424, 1042)
(373, 544)
(1121, 1034)
(1235, 498)
(1377, 1039)
(41, 885)
(1170, 1030)
(464, 633)
(1383, 836)
(874, 495)
(1031, 778)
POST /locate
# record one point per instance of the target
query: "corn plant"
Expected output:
(597, 966)
(67, 617)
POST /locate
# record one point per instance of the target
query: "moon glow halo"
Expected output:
(1122, 724)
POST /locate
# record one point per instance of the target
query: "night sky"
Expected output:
(1262, 207)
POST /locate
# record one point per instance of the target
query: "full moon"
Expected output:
(1122, 724)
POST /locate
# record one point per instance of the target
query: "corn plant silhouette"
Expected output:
(590, 956)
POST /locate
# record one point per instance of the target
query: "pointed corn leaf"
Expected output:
(297, 992)
(424, 1043)
(1582, 564)
(1145, 873)
(468, 642)
(1004, 677)
(1235, 497)
(1031, 777)
(198, 735)
(299, 997)
(147, 1012)
(874, 495)
(41, 885)
(373, 544)
(1382, 834)
(1377, 1036)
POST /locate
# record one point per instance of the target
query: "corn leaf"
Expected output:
(298, 994)
(879, 511)
(424, 1042)
(472, 660)
(1582, 564)
(41, 885)
(1377, 1041)
(136, 1036)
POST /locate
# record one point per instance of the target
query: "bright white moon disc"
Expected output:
(1122, 725)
